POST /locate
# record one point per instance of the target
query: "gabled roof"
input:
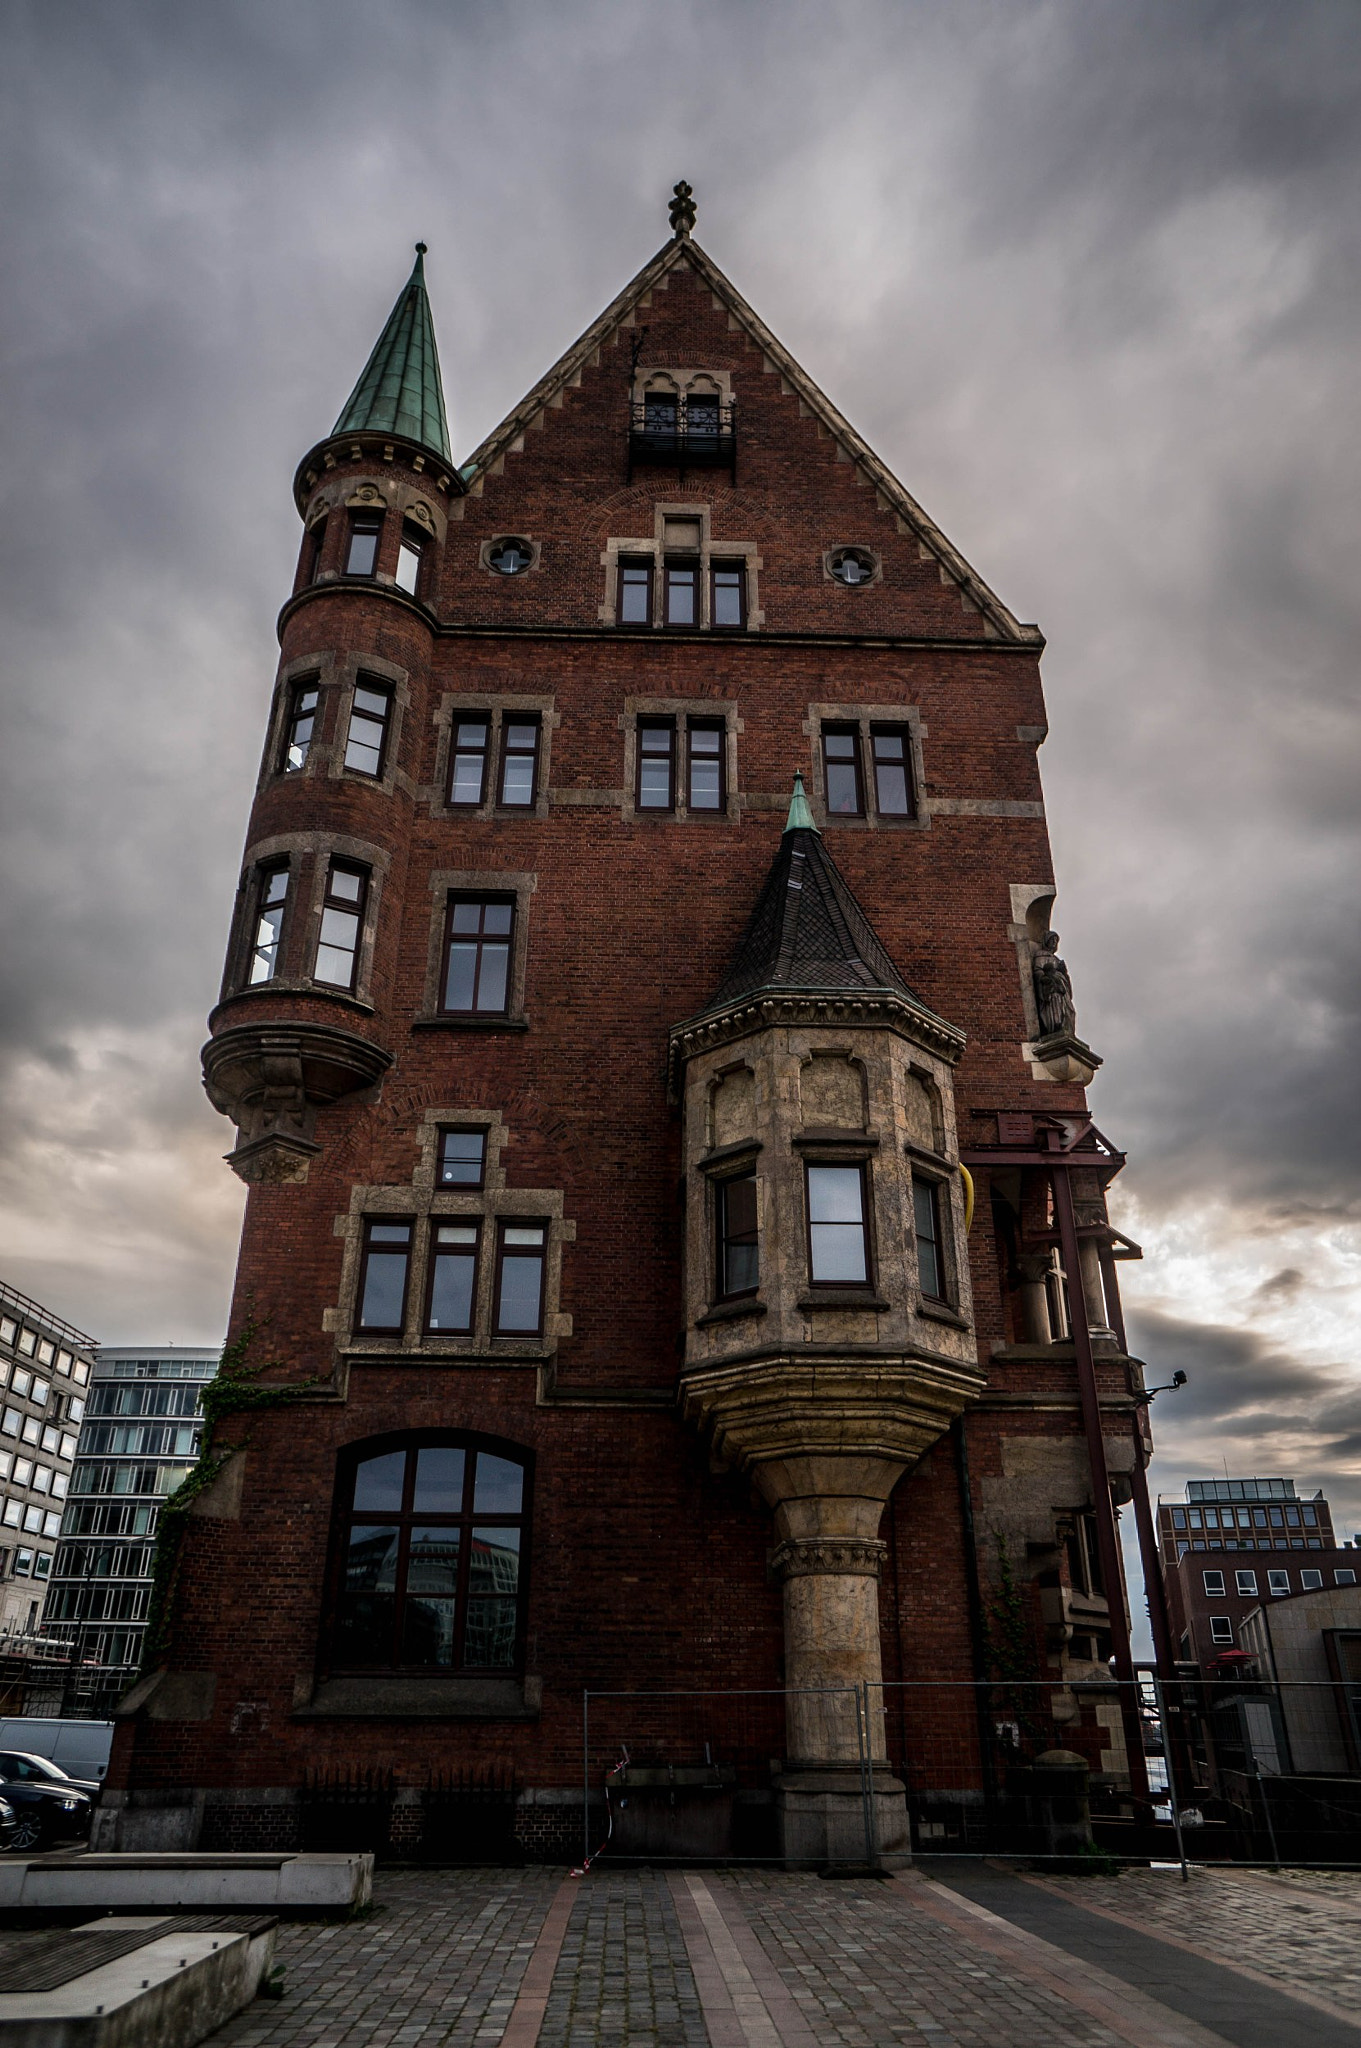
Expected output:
(807, 934)
(683, 252)
(400, 390)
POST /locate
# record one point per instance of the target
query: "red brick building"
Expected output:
(1209, 1596)
(642, 955)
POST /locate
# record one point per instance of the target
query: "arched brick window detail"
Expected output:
(430, 1553)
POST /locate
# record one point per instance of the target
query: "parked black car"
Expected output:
(23, 1766)
(8, 1823)
(45, 1811)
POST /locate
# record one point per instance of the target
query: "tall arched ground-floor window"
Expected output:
(430, 1554)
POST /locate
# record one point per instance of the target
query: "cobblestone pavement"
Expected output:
(1301, 1928)
(766, 1959)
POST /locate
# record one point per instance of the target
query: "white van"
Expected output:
(80, 1748)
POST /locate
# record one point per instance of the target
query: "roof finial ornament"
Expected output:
(682, 211)
(800, 817)
(422, 248)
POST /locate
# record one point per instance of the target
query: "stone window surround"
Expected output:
(379, 493)
(717, 710)
(864, 717)
(447, 882)
(861, 547)
(337, 677)
(424, 1204)
(666, 377)
(302, 918)
(653, 548)
(497, 705)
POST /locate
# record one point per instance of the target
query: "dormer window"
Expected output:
(362, 559)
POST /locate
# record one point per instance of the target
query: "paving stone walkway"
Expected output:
(766, 1959)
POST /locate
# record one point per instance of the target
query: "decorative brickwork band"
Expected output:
(802, 1557)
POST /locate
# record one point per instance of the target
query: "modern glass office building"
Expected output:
(139, 1439)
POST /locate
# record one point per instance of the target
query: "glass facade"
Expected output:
(45, 1374)
(139, 1438)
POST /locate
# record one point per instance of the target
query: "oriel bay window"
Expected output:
(706, 791)
(519, 762)
(271, 901)
(342, 923)
(656, 764)
(453, 1278)
(519, 1278)
(738, 1245)
(477, 950)
(366, 741)
(468, 763)
(838, 1250)
(385, 1268)
(362, 556)
(926, 1222)
(302, 719)
(430, 1576)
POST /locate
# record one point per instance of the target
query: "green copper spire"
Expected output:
(800, 818)
(400, 391)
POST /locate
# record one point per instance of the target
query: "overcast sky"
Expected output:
(1085, 272)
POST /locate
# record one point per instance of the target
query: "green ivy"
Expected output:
(235, 1391)
(1010, 1639)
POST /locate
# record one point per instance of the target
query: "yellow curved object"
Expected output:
(967, 1179)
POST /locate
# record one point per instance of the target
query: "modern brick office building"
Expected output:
(641, 961)
(1234, 1544)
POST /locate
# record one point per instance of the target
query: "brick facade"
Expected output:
(646, 1566)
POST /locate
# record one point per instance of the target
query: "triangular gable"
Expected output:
(892, 495)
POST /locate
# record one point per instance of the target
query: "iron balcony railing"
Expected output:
(690, 432)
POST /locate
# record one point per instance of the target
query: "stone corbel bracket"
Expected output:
(272, 1078)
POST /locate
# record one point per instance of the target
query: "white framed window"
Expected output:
(1214, 1585)
(1278, 1584)
(1246, 1582)
(1310, 1582)
(1221, 1629)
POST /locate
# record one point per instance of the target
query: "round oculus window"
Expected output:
(852, 565)
(511, 556)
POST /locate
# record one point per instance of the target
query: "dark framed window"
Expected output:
(520, 1253)
(838, 1245)
(853, 566)
(361, 558)
(701, 416)
(468, 762)
(433, 1541)
(841, 767)
(385, 1269)
(462, 1158)
(452, 1301)
(706, 790)
(519, 762)
(728, 594)
(660, 412)
(682, 593)
(410, 554)
(930, 1252)
(890, 749)
(267, 922)
(739, 1269)
(342, 925)
(656, 764)
(366, 741)
(477, 955)
(635, 593)
(302, 724)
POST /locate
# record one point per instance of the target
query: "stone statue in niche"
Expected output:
(1053, 988)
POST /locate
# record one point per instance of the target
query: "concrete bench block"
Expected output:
(171, 1992)
(187, 1881)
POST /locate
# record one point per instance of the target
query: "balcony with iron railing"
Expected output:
(687, 433)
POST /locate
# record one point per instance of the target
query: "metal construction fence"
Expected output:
(1192, 1770)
